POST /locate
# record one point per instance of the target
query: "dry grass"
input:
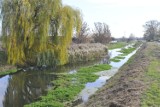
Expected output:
(86, 52)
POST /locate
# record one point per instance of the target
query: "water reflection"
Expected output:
(91, 88)
(24, 88)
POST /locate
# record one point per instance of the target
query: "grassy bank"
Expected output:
(10, 71)
(151, 95)
(136, 84)
(68, 86)
(125, 88)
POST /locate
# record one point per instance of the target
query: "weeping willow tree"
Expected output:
(38, 31)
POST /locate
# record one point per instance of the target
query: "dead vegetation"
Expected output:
(86, 52)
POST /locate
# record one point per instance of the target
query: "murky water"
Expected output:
(26, 87)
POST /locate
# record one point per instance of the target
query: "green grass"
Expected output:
(151, 97)
(116, 45)
(8, 72)
(124, 52)
(117, 58)
(120, 57)
(127, 51)
(68, 86)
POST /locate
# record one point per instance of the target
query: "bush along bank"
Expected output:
(86, 52)
(68, 86)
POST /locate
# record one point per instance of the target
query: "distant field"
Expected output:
(116, 45)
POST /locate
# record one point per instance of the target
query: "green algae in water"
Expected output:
(68, 86)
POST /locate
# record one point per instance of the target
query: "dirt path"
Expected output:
(126, 87)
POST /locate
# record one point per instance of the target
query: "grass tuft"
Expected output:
(127, 51)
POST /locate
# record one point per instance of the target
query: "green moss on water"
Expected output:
(120, 57)
(68, 86)
(115, 60)
(151, 97)
(127, 51)
(95, 68)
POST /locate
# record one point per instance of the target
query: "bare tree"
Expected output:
(151, 30)
(102, 33)
(82, 36)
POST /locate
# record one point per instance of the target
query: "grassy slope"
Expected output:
(68, 86)
(151, 97)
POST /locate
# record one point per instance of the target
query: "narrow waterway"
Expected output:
(27, 86)
(91, 88)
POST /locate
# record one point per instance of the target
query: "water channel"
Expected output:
(27, 86)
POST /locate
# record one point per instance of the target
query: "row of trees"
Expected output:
(101, 34)
(152, 30)
(38, 31)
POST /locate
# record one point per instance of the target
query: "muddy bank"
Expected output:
(126, 87)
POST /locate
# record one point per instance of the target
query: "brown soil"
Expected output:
(126, 87)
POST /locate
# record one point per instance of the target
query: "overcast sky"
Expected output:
(122, 16)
